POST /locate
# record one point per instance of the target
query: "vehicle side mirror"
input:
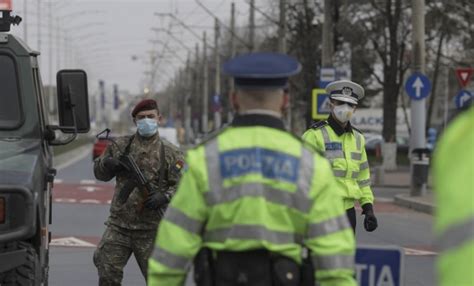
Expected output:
(73, 101)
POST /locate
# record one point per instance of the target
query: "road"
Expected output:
(81, 206)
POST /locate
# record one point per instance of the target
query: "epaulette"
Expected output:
(318, 124)
(357, 129)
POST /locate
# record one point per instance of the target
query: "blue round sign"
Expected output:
(463, 98)
(418, 86)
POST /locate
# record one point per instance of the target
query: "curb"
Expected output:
(414, 203)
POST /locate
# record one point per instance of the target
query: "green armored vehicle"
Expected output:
(26, 169)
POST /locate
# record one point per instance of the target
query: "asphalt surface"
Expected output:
(71, 264)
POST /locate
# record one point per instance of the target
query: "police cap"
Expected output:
(345, 90)
(262, 70)
(145, 104)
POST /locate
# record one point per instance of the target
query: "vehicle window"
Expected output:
(10, 111)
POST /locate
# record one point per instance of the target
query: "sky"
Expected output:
(112, 40)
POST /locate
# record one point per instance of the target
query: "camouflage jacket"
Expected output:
(146, 153)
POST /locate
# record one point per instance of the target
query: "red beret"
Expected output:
(145, 104)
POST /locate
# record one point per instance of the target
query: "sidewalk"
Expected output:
(400, 178)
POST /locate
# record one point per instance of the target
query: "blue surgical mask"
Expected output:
(147, 127)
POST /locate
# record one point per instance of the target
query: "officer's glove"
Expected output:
(370, 221)
(113, 165)
(156, 200)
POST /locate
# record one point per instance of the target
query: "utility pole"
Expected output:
(50, 58)
(418, 111)
(252, 26)
(25, 23)
(39, 25)
(196, 88)
(217, 80)
(282, 49)
(187, 101)
(205, 88)
(232, 55)
(327, 43)
(58, 43)
(282, 28)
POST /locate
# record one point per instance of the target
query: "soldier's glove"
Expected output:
(156, 200)
(113, 165)
(370, 221)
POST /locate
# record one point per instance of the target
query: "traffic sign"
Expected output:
(418, 86)
(326, 76)
(464, 76)
(376, 265)
(463, 98)
(320, 108)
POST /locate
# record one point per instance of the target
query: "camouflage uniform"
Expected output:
(131, 227)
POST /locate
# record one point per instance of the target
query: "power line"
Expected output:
(263, 13)
(223, 25)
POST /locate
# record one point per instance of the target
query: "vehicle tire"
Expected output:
(28, 274)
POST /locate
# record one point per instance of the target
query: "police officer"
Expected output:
(133, 220)
(253, 196)
(454, 195)
(344, 146)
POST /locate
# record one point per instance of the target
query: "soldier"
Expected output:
(134, 215)
(253, 196)
(344, 146)
(453, 177)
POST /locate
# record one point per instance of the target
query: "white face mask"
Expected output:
(343, 112)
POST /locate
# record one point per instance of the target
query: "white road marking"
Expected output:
(417, 252)
(87, 182)
(58, 181)
(59, 200)
(90, 201)
(70, 241)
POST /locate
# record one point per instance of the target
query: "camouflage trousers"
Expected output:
(116, 247)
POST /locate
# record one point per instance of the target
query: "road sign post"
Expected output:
(376, 265)
(418, 87)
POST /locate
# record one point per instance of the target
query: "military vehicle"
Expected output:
(26, 167)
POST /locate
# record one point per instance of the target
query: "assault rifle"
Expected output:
(137, 178)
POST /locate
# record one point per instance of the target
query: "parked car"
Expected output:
(374, 141)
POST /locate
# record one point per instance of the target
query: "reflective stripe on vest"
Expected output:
(180, 219)
(294, 200)
(364, 166)
(219, 194)
(249, 232)
(364, 183)
(356, 156)
(456, 235)
(331, 262)
(325, 135)
(329, 226)
(213, 173)
(358, 141)
(171, 260)
(344, 173)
